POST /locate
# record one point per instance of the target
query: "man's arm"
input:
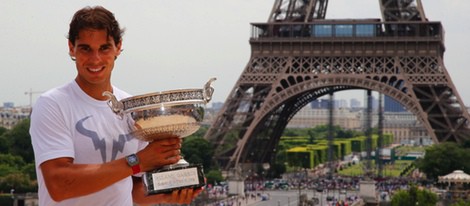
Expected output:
(65, 180)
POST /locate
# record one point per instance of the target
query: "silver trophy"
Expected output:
(162, 115)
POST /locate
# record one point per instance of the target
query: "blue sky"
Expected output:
(172, 44)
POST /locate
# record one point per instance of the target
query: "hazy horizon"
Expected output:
(177, 44)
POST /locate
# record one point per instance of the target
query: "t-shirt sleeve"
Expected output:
(50, 135)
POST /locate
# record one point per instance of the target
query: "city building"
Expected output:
(404, 126)
(390, 105)
(309, 117)
(11, 115)
(355, 103)
(406, 129)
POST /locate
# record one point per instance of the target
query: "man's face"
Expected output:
(94, 53)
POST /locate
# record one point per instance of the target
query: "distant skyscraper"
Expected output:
(217, 105)
(315, 104)
(8, 105)
(319, 104)
(355, 103)
(341, 103)
(325, 104)
(390, 105)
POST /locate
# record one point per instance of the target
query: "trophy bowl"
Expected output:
(161, 115)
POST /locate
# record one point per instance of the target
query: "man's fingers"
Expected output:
(189, 196)
(183, 197)
(169, 141)
(174, 195)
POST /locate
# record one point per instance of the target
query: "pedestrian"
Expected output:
(84, 154)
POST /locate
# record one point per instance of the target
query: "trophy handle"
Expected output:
(208, 90)
(116, 106)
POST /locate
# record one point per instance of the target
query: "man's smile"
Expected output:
(95, 69)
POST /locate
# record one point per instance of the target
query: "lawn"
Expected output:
(389, 170)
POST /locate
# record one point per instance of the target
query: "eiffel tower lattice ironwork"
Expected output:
(299, 56)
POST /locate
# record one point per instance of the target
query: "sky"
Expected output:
(176, 44)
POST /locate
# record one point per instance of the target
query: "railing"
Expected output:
(347, 29)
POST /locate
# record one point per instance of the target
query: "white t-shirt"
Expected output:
(66, 122)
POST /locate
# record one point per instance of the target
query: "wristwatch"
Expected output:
(133, 162)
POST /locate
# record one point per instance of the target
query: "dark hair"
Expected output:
(95, 18)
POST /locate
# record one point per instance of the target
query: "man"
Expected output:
(84, 154)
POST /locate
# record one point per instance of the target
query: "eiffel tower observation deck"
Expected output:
(298, 56)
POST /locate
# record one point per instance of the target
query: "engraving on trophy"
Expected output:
(160, 115)
(175, 178)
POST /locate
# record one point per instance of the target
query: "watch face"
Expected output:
(132, 160)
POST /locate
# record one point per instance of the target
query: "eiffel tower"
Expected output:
(298, 56)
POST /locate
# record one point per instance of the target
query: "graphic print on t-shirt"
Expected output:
(100, 142)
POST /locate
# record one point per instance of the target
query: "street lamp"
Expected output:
(266, 167)
(320, 190)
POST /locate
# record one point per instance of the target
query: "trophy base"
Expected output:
(167, 179)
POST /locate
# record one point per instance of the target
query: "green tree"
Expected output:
(461, 203)
(4, 143)
(3, 130)
(197, 150)
(289, 132)
(276, 170)
(444, 158)
(17, 169)
(312, 136)
(10, 164)
(16, 174)
(20, 182)
(413, 197)
(30, 170)
(214, 176)
(20, 141)
(11, 160)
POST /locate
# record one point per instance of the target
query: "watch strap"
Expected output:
(135, 169)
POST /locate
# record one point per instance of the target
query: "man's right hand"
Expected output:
(160, 152)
